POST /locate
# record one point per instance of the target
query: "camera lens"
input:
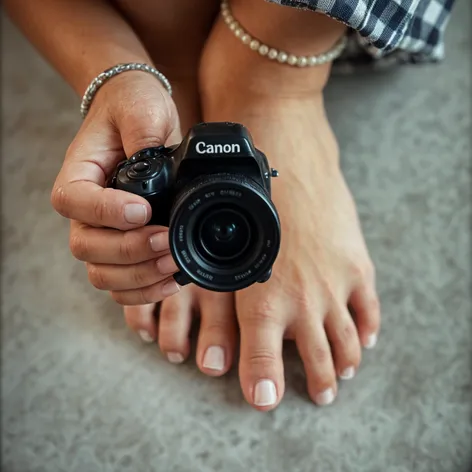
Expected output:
(224, 231)
(224, 234)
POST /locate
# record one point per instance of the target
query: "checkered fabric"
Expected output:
(389, 30)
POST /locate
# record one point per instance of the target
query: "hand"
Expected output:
(131, 112)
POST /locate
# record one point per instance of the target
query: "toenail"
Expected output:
(348, 373)
(145, 336)
(371, 341)
(214, 358)
(175, 357)
(265, 393)
(325, 398)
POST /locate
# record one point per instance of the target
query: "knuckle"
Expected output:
(262, 312)
(97, 277)
(357, 271)
(145, 139)
(119, 298)
(344, 332)
(78, 246)
(262, 358)
(143, 125)
(100, 209)
(348, 332)
(321, 355)
(216, 327)
(327, 292)
(141, 276)
(126, 248)
(59, 200)
(304, 300)
(362, 271)
(169, 313)
(147, 295)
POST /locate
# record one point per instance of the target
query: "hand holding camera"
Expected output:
(127, 252)
(213, 192)
(107, 227)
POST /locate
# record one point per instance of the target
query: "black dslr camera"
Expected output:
(213, 192)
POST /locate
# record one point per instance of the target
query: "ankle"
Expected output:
(300, 33)
(252, 75)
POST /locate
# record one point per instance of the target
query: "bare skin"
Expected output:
(323, 273)
(156, 22)
(323, 267)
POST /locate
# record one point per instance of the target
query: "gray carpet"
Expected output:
(80, 393)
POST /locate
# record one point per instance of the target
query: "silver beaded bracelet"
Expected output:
(272, 53)
(105, 76)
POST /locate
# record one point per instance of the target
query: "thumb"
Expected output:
(150, 119)
(141, 114)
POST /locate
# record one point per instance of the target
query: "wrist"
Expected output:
(123, 91)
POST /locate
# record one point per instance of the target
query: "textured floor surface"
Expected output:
(82, 394)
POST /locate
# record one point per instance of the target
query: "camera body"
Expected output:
(213, 192)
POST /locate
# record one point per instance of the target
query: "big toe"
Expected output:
(217, 337)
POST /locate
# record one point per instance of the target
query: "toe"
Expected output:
(344, 341)
(141, 319)
(315, 352)
(217, 337)
(261, 366)
(175, 320)
(365, 306)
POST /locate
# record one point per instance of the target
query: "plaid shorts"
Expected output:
(386, 32)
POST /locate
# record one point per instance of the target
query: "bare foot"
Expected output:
(323, 268)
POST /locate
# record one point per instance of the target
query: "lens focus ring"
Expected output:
(224, 232)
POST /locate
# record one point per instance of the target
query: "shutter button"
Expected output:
(141, 167)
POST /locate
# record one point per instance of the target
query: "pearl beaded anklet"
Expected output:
(274, 54)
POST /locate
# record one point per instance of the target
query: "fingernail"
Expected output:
(159, 241)
(265, 393)
(135, 213)
(371, 341)
(167, 265)
(175, 357)
(169, 288)
(325, 398)
(348, 373)
(145, 336)
(214, 358)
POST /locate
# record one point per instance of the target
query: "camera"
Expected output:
(213, 191)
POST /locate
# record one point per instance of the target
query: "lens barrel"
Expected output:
(224, 232)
